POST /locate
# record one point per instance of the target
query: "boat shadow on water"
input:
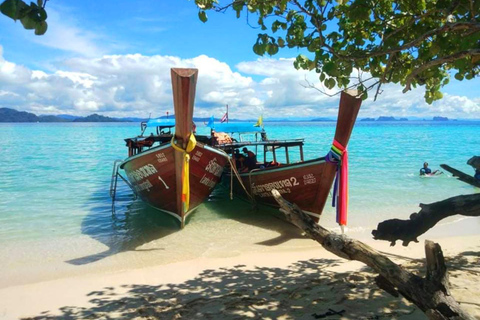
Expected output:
(124, 227)
(259, 216)
(133, 223)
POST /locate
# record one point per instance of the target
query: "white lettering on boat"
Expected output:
(208, 182)
(141, 173)
(267, 187)
(309, 179)
(197, 156)
(294, 181)
(214, 168)
(166, 186)
(146, 185)
(161, 157)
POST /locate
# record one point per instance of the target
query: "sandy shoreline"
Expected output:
(290, 284)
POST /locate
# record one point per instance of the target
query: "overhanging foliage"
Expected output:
(32, 16)
(415, 42)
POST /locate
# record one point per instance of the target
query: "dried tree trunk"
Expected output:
(408, 230)
(430, 294)
(462, 176)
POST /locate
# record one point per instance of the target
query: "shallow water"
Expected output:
(56, 213)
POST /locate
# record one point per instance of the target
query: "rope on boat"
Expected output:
(237, 175)
(192, 142)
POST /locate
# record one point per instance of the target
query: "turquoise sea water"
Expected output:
(56, 214)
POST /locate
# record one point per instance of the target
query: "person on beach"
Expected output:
(251, 159)
(426, 171)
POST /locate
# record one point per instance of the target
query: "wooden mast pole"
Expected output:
(183, 87)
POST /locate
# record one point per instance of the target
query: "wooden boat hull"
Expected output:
(153, 177)
(298, 183)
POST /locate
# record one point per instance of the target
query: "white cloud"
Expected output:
(66, 34)
(286, 94)
(137, 85)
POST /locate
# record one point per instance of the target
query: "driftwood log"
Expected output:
(462, 176)
(429, 214)
(474, 162)
(431, 294)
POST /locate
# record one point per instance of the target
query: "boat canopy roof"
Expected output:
(236, 127)
(165, 123)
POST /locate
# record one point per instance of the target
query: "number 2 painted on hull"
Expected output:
(294, 182)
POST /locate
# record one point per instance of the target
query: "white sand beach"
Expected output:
(283, 283)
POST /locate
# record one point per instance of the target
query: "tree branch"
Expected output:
(475, 26)
(429, 215)
(462, 176)
(430, 294)
(442, 60)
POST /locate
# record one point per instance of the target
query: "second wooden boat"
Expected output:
(306, 183)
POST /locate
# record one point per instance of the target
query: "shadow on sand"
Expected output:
(304, 290)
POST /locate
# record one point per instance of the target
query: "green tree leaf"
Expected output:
(202, 15)
(41, 28)
(28, 23)
(31, 16)
(13, 9)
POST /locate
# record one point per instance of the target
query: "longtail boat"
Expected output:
(174, 172)
(306, 183)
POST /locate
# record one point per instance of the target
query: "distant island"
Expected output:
(440, 119)
(11, 115)
(384, 118)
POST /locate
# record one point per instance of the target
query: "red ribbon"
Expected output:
(342, 204)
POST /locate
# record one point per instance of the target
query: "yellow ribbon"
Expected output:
(192, 142)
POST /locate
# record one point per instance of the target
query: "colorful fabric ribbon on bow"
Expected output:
(339, 155)
(192, 142)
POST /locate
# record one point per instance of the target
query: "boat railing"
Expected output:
(139, 144)
(268, 143)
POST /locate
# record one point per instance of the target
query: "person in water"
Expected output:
(251, 159)
(426, 170)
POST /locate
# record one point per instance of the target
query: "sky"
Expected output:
(113, 58)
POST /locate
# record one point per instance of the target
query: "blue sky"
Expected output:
(113, 57)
